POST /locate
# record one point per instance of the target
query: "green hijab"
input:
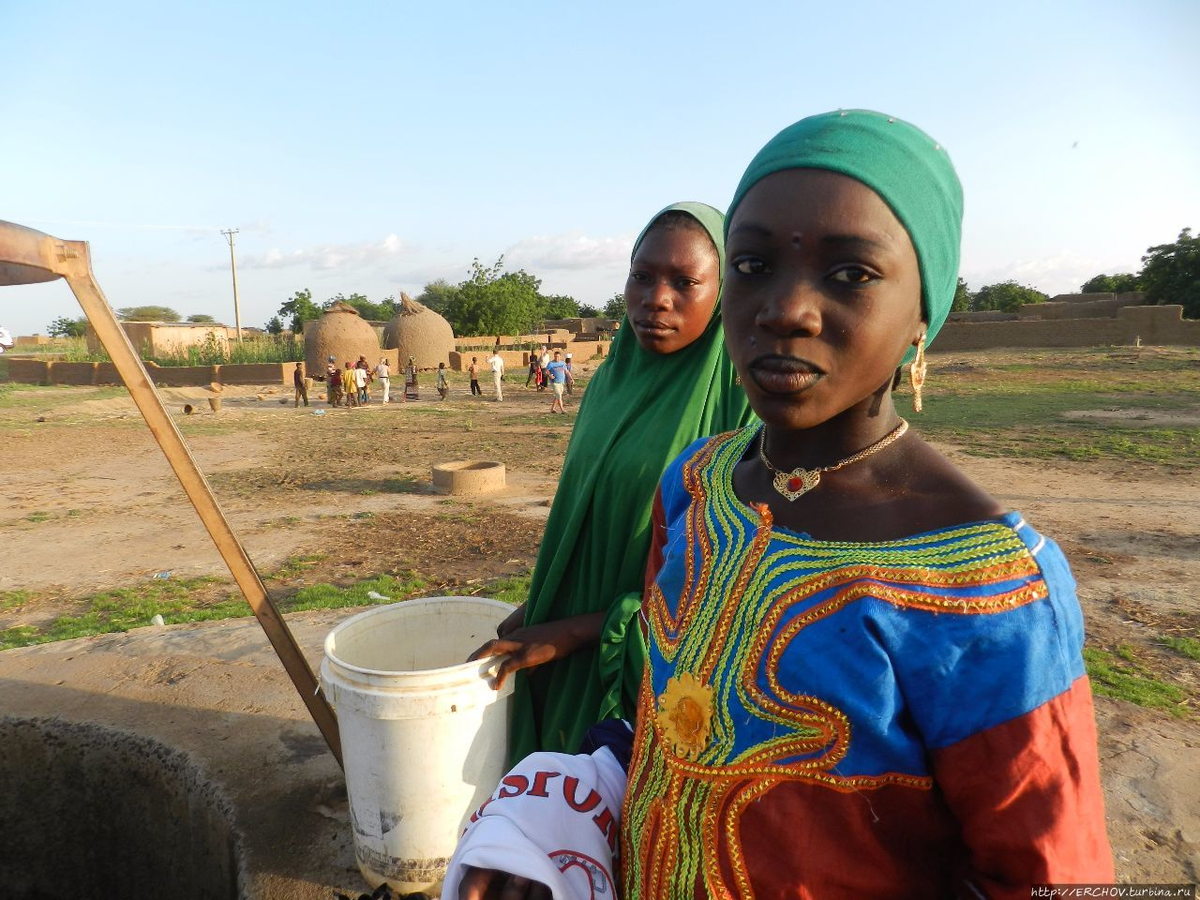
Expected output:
(639, 412)
(902, 164)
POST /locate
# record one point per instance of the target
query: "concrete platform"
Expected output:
(216, 692)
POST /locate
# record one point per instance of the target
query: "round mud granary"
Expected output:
(419, 332)
(341, 333)
(470, 476)
(93, 813)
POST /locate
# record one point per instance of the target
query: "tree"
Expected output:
(559, 306)
(201, 319)
(1171, 273)
(64, 327)
(587, 311)
(274, 325)
(1007, 296)
(615, 308)
(437, 295)
(1111, 284)
(492, 301)
(962, 297)
(299, 309)
(147, 314)
(375, 312)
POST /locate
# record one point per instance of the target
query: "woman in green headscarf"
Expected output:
(666, 382)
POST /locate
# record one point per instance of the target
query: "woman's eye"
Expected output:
(684, 284)
(750, 265)
(853, 275)
(637, 276)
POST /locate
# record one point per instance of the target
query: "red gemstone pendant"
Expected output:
(794, 484)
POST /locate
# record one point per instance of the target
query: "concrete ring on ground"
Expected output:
(99, 812)
(470, 476)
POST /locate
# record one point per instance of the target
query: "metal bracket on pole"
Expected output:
(30, 257)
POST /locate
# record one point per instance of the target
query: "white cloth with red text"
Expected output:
(554, 818)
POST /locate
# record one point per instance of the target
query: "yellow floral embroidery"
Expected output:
(685, 714)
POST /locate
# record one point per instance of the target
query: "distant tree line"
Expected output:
(1170, 273)
(491, 300)
(66, 327)
(488, 301)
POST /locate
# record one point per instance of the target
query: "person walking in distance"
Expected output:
(443, 386)
(557, 373)
(384, 374)
(473, 371)
(350, 385)
(496, 362)
(333, 382)
(570, 376)
(301, 387)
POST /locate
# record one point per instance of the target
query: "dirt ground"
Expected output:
(89, 503)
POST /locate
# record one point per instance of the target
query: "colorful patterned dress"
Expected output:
(906, 718)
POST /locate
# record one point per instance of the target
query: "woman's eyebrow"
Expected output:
(882, 243)
(751, 227)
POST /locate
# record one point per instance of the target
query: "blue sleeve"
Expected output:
(963, 673)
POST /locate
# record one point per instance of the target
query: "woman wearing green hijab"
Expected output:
(666, 382)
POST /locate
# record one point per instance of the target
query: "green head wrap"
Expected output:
(903, 165)
(639, 412)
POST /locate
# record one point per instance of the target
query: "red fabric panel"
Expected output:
(810, 842)
(1027, 795)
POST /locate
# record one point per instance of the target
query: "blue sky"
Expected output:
(373, 147)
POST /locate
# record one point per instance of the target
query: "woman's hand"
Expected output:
(491, 884)
(512, 622)
(535, 645)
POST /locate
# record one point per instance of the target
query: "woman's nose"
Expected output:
(658, 295)
(793, 309)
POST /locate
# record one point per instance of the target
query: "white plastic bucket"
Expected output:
(424, 735)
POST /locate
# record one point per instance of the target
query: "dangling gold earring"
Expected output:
(916, 374)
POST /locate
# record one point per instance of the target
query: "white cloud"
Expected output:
(573, 250)
(327, 257)
(1059, 273)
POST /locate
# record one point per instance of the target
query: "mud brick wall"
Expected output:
(73, 372)
(28, 371)
(182, 376)
(1155, 325)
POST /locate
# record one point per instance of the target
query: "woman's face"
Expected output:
(673, 284)
(822, 296)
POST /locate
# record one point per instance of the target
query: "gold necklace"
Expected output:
(800, 481)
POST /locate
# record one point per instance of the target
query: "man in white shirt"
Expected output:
(360, 381)
(497, 364)
(6, 340)
(384, 374)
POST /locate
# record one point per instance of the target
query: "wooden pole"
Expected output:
(28, 257)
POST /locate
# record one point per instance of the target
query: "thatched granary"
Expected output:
(417, 331)
(341, 333)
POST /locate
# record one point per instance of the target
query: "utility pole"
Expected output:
(237, 310)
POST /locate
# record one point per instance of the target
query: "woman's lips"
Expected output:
(653, 327)
(784, 374)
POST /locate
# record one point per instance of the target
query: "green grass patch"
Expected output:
(11, 599)
(1121, 676)
(329, 596)
(126, 608)
(1185, 646)
(296, 565)
(1036, 425)
(512, 589)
